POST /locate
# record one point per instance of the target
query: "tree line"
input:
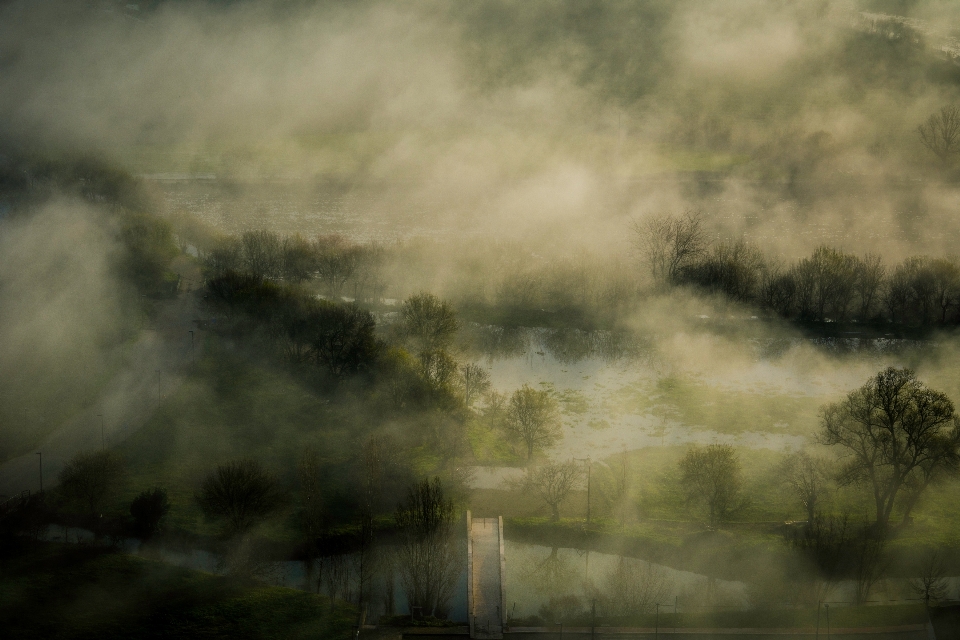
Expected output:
(828, 286)
(336, 264)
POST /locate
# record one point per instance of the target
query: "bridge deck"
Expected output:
(487, 591)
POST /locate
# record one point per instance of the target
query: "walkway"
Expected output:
(485, 593)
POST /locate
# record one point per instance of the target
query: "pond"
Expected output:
(548, 582)
(618, 392)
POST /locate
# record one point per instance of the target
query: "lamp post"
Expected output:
(41, 470)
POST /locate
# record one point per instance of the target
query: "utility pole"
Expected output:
(817, 636)
(41, 470)
(103, 441)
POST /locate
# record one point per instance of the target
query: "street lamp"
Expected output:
(41, 471)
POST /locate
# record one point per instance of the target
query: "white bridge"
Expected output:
(486, 598)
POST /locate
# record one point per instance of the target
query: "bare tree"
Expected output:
(429, 557)
(895, 432)
(310, 474)
(241, 493)
(336, 262)
(712, 476)
(807, 478)
(868, 285)
(92, 478)
(224, 256)
(298, 259)
(475, 380)
(931, 581)
(553, 482)
(262, 253)
(367, 277)
(532, 417)
(869, 561)
(633, 587)
(946, 285)
(732, 268)
(670, 244)
(941, 133)
(825, 284)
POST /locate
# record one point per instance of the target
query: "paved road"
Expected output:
(126, 402)
(486, 578)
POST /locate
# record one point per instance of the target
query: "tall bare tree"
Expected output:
(336, 262)
(298, 259)
(553, 482)
(931, 581)
(868, 285)
(670, 244)
(895, 432)
(429, 556)
(807, 477)
(262, 253)
(941, 133)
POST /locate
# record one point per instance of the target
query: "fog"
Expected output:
(347, 249)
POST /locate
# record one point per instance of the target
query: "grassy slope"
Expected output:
(55, 591)
(229, 409)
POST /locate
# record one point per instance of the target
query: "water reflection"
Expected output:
(556, 583)
(335, 576)
(566, 345)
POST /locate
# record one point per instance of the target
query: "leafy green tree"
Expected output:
(896, 434)
(532, 418)
(428, 322)
(712, 477)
